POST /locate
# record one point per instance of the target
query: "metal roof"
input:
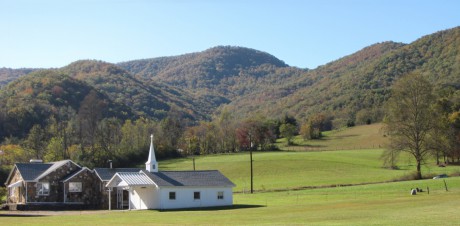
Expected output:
(105, 174)
(127, 179)
(204, 178)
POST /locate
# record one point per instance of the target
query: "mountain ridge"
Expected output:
(249, 81)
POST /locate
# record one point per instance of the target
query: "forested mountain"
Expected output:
(249, 81)
(7, 74)
(358, 84)
(33, 99)
(224, 99)
(148, 99)
(218, 75)
(253, 82)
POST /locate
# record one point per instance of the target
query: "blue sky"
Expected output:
(306, 34)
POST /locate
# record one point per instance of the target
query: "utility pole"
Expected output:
(250, 154)
(193, 163)
(250, 159)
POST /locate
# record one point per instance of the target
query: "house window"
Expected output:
(172, 195)
(220, 195)
(196, 195)
(43, 188)
(75, 187)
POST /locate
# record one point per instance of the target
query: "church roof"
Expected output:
(105, 174)
(203, 178)
(124, 179)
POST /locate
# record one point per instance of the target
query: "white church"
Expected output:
(153, 189)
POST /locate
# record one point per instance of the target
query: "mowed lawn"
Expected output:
(377, 204)
(290, 170)
(353, 138)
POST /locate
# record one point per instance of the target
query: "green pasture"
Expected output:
(303, 187)
(377, 204)
(290, 170)
(353, 138)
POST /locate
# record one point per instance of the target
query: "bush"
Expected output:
(2, 194)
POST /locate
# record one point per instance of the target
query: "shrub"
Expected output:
(2, 194)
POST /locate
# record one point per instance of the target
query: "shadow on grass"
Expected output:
(233, 207)
(20, 215)
(344, 136)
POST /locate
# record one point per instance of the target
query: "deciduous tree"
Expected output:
(409, 117)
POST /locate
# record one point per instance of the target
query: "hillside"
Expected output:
(218, 75)
(149, 98)
(8, 75)
(248, 81)
(32, 99)
(361, 82)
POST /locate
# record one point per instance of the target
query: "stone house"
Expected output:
(38, 185)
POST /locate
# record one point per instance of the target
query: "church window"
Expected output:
(172, 195)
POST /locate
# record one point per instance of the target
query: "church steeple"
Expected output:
(151, 165)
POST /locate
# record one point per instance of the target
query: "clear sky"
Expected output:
(303, 33)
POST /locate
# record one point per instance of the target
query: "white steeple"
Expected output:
(151, 165)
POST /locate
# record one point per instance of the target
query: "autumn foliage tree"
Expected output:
(409, 119)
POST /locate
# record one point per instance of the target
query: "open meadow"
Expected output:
(336, 187)
(377, 204)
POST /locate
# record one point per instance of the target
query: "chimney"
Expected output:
(36, 161)
(110, 162)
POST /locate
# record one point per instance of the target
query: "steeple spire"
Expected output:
(151, 165)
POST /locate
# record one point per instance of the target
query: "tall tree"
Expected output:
(91, 111)
(288, 131)
(409, 117)
(36, 141)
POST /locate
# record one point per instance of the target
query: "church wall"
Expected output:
(185, 197)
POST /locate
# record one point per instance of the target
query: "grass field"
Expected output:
(280, 198)
(353, 138)
(288, 170)
(378, 204)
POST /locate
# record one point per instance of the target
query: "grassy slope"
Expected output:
(380, 204)
(282, 170)
(358, 137)
(288, 170)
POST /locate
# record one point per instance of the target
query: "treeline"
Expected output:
(422, 122)
(92, 140)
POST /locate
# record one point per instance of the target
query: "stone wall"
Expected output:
(16, 195)
(56, 193)
(90, 192)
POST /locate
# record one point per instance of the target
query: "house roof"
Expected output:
(30, 171)
(105, 174)
(36, 171)
(75, 174)
(55, 166)
(208, 178)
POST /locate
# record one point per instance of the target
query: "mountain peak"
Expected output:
(243, 56)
